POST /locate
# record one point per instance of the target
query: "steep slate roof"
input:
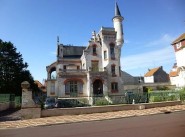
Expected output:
(117, 12)
(151, 72)
(182, 37)
(72, 51)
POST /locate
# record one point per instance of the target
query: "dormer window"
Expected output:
(112, 54)
(94, 50)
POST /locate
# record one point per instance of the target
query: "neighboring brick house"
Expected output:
(156, 75)
(88, 71)
(177, 74)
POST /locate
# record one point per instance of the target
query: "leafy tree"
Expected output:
(13, 71)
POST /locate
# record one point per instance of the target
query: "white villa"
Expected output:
(89, 71)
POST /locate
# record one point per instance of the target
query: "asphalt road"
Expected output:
(161, 125)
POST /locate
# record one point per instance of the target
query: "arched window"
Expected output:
(112, 54)
(53, 73)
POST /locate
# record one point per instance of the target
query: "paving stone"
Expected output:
(87, 117)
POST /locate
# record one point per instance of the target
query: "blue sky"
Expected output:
(149, 28)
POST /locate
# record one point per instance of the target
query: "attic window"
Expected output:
(94, 50)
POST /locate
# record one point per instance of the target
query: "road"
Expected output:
(161, 125)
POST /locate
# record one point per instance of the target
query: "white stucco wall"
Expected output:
(149, 79)
(180, 57)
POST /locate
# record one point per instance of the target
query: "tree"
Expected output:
(13, 71)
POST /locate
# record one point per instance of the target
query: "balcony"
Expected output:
(72, 72)
(97, 72)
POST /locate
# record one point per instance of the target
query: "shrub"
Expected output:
(182, 94)
(101, 102)
(162, 88)
(160, 96)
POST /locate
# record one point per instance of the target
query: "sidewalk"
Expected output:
(87, 117)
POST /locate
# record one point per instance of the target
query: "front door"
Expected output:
(98, 88)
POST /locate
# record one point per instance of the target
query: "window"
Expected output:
(105, 54)
(112, 54)
(119, 71)
(78, 67)
(80, 87)
(178, 45)
(67, 88)
(74, 87)
(114, 87)
(64, 67)
(94, 65)
(94, 50)
(113, 71)
(52, 89)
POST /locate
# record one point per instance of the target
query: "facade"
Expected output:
(89, 71)
(156, 75)
(177, 74)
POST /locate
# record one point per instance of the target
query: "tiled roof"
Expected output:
(151, 72)
(174, 73)
(38, 83)
(182, 37)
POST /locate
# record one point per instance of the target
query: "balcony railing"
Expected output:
(72, 70)
(97, 69)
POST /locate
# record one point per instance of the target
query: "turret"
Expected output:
(59, 49)
(117, 21)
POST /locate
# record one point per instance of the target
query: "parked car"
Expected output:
(69, 103)
(49, 103)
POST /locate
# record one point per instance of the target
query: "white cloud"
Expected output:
(152, 58)
(164, 40)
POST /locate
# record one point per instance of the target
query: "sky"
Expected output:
(149, 28)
